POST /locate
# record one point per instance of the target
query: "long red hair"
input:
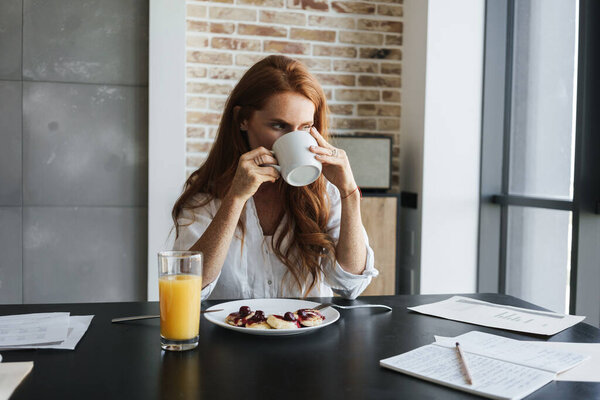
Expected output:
(307, 208)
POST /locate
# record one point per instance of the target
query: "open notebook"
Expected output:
(501, 368)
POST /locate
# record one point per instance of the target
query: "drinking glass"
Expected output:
(179, 288)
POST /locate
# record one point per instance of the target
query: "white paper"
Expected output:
(11, 375)
(27, 329)
(529, 354)
(78, 325)
(588, 370)
(492, 378)
(464, 309)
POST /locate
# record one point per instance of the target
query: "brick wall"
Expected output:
(353, 48)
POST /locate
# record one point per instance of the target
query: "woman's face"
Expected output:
(283, 113)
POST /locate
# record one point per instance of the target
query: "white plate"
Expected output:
(270, 306)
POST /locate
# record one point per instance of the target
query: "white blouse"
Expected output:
(251, 268)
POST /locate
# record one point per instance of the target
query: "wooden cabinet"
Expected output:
(380, 218)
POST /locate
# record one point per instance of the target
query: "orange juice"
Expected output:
(179, 306)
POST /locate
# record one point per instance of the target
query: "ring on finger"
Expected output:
(334, 152)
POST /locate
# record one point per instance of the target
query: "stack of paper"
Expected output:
(501, 368)
(464, 309)
(42, 331)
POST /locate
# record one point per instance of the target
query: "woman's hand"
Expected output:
(336, 166)
(250, 175)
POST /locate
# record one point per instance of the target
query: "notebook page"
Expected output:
(492, 378)
(524, 353)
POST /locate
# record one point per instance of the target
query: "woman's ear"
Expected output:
(236, 113)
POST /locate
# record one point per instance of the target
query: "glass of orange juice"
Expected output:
(179, 288)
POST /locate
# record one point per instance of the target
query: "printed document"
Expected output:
(464, 309)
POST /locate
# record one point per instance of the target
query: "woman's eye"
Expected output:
(278, 126)
(307, 127)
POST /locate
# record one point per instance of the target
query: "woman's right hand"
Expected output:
(250, 175)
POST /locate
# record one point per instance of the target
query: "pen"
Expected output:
(463, 363)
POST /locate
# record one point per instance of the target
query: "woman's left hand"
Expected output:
(336, 167)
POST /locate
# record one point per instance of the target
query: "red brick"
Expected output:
(356, 95)
(393, 40)
(232, 13)
(391, 96)
(222, 27)
(195, 161)
(341, 109)
(274, 46)
(247, 60)
(381, 110)
(381, 54)
(316, 64)
(336, 79)
(198, 42)
(211, 132)
(387, 81)
(391, 68)
(310, 34)
(198, 147)
(225, 73)
(194, 71)
(208, 88)
(235, 44)
(283, 17)
(331, 22)
(262, 3)
(334, 51)
(355, 66)
(196, 11)
(209, 57)
(217, 103)
(360, 37)
(379, 25)
(354, 123)
(353, 7)
(205, 118)
(196, 102)
(196, 26)
(393, 11)
(262, 30)
(217, 1)
(388, 124)
(195, 131)
(317, 5)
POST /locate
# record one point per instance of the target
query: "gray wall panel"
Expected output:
(10, 145)
(94, 41)
(10, 39)
(81, 254)
(84, 145)
(10, 255)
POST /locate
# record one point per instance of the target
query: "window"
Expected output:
(534, 173)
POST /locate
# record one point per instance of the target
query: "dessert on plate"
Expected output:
(309, 317)
(288, 321)
(246, 318)
(239, 318)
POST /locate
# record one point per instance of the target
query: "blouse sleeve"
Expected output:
(344, 283)
(193, 222)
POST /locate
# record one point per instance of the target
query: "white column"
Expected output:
(166, 145)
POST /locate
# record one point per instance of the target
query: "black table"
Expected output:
(341, 361)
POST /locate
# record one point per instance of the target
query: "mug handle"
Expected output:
(277, 167)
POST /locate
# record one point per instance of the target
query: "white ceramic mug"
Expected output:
(297, 164)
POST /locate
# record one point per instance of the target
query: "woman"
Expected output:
(260, 236)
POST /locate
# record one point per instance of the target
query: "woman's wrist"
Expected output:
(350, 191)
